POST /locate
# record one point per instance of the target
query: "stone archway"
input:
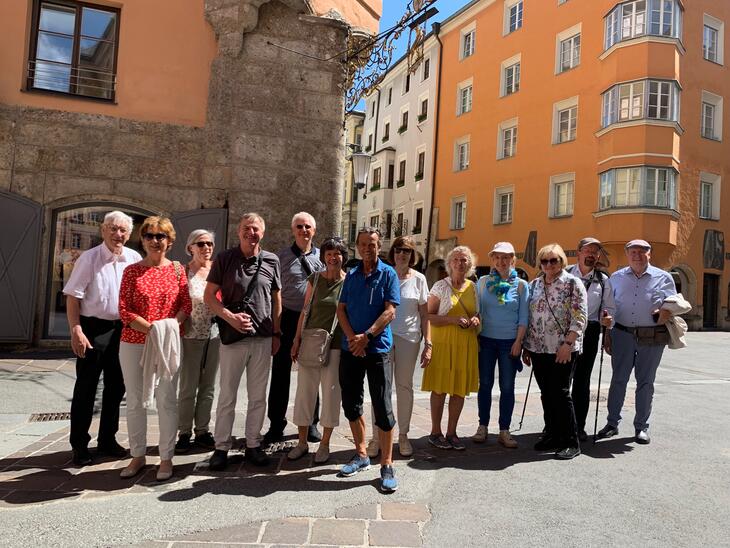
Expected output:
(685, 280)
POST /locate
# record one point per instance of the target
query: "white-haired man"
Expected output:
(92, 309)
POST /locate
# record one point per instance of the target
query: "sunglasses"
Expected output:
(551, 260)
(201, 245)
(402, 250)
(306, 227)
(159, 236)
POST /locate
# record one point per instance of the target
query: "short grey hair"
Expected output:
(194, 235)
(303, 215)
(118, 218)
(462, 250)
(368, 230)
(252, 216)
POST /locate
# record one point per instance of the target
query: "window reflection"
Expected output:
(75, 231)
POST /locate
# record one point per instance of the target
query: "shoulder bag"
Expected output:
(314, 348)
(227, 332)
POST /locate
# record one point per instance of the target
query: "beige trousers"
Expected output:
(308, 383)
(403, 356)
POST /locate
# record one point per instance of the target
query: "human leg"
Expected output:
(189, 378)
(487, 361)
(648, 359)
(623, 356)
(379, 374)
(278, 399)
(232, 363)
(206, 388)
(129, 357)
(581, 389)
(257, 379)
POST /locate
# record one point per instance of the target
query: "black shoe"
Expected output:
(313, 436)
(546, 443)
(607, 431)
(273, 436)
(582, 435)
(205, 440)
(183, 444)
(256, 456)
(219, 460)
(567, 453)
(81, 457)
(111, 449)
(642, 437)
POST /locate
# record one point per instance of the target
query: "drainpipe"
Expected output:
(436, 29)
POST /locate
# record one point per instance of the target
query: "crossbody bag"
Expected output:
(228, 333)
(314, 348)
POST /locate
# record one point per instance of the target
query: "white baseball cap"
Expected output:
(503, 247)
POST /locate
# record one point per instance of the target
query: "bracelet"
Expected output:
(428, 344)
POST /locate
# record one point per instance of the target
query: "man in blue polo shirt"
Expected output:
(367, 306)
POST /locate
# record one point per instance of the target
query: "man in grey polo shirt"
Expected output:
(233, 271)
(298, 262)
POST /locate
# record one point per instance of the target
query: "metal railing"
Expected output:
(61, 77)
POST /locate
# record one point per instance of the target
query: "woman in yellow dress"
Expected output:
(453, 310)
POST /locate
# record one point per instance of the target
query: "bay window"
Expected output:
(641, 186)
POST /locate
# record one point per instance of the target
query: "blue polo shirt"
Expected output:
(365, 297)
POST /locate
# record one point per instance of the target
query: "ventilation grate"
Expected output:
(48, 417)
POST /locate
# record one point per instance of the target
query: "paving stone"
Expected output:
(338, 532)
(394, 533)
(404, 511)
(361, 511)
(286, 531)
(240, 533)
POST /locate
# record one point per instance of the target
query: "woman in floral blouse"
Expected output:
(558, 316)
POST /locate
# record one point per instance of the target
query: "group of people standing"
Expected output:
(151, 323)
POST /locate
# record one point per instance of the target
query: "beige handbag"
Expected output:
(314, 348)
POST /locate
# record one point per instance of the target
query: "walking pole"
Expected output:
(527, 395)
(600, 371)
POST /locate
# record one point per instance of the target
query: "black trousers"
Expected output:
(581, 391)
(554, 381)
(378, 369)
(104, 336)
(281, 374)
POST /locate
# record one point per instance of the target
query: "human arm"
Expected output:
(578, 320)
(276, 320)
(184, 303)
(426, 333)
(517, 345)
(127, 313)
(79, 342)
(608, 304)
(240, 321)
(356, 343)
(300, 324)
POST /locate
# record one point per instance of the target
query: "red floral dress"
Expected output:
(154, 293)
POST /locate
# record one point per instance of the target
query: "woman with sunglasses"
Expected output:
(201, 344)
(558, 315)
(320, 310)
(453, 310)
(409, 327)
(153, 289)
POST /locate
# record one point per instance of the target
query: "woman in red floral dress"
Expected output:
(151, 290)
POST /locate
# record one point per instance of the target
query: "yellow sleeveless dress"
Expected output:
(454, 367)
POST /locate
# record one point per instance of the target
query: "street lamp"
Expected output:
(360, 168)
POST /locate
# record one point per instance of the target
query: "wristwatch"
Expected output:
(428, 344)
(369, 335)
(277, 334)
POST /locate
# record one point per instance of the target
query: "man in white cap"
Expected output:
(638, 337)
(601, 308)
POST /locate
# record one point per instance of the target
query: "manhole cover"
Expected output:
(47, 417)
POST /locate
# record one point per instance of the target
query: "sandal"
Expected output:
(456, 443)
(437, 440)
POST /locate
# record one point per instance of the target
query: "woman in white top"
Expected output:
(201, 344)
(409, 327)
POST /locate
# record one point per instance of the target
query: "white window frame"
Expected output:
(420, 150)
(558, 108)
(462, 153)
(564, 181)
(516, 8)
(718, 26)
(462, 88)
(421, 98)
(426, 62)
(398, 181)
(404, 109)
(467, 41)
(386, 122)
(416, 207)
(630, 101)
(712, 212)
(504, 194)
(457, 220)
(571, 37)
(629, 187)
(507, 129)
(511, 63)
(716, 101)
(625, 22)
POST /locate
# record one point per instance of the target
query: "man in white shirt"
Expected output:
(92, 309)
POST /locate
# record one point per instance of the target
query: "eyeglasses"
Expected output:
(115, 228)
(201, 245)
(159, 236)
(402, 250)
(551, 260)
(306, 227)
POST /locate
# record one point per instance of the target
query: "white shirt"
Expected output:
(596, 299)
(96, 278)
(407, 322)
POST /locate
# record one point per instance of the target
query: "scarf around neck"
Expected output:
(500, 287)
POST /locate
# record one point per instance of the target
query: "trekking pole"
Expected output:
(600, 371)
(527, 395)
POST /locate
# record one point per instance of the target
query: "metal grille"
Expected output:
(47, 417)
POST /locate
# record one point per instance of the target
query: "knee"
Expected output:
(352, 412)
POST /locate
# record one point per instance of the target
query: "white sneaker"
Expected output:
(506, 440)
(404, 446)
(373, 448)
(481, 435)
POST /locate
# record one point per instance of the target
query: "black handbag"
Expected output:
(227, 332)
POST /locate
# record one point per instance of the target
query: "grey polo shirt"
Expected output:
(294, 277)
(233, 272)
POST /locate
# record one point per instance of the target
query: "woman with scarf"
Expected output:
(503, 304)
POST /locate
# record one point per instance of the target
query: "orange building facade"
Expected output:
(564, 119)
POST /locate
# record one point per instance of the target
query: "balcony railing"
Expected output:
(63, 78)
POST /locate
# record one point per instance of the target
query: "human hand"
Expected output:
(358, 344)
(295, 348)
(275, 344)
(241, 322)
(475, 322)
(526, 358)
(516, 349)
(425, 356)
(606, 319)
(79, 342)
(462, 321)
(664, 316)
(563, 354)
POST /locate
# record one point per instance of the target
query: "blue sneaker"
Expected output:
(356, 464)
(388, 483)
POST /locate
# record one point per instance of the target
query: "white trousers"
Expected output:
(252, 355)
(308, 382)
(403, 357)
(165, 396)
